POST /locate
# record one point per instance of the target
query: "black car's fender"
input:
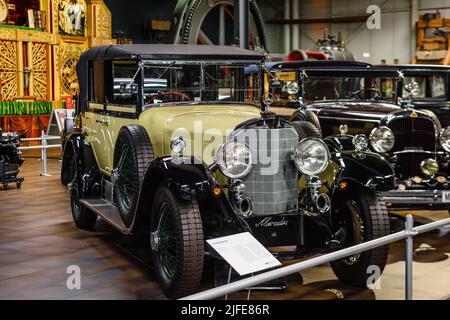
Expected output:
(89, 181)
(188, 179)
(366, 169)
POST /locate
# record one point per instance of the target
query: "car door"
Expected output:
(121, 108)
(94, 119)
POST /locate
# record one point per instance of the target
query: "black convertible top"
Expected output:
(335, 67)
(167, 52)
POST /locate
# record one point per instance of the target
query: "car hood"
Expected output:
(374, 111)
(203, 127)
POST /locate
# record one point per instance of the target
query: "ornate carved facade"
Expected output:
(38, 64)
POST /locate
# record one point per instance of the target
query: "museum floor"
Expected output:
(38, 241)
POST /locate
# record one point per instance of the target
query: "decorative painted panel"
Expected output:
(40, 65)
(8, 70)
(103, 22)
(67, 58)
(72, 17)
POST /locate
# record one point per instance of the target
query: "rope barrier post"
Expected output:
(42, 150)
(44, 156)
(410, 233)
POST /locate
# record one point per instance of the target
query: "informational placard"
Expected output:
(244, 253)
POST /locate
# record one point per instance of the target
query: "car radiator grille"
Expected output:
(272, 182)
(409, 164)
(413, 133)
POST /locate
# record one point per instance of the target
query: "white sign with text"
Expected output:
(244, 253)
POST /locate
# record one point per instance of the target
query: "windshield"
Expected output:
(176, 82)
(320, 88)
(430, 86)
(358, 88)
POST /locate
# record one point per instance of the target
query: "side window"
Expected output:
(437, 86)
(96, 92)
(126, 77)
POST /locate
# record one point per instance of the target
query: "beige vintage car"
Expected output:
(174, 143)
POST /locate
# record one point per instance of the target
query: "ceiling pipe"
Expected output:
(287, 27)
(243, 13)
(295, 27)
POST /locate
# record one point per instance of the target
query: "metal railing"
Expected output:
(409, 233)
(43, 147)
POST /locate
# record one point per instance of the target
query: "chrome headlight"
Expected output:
(178, 145)
(445, 139)
(360, 142)
(429, 167)
(234, 159)
(382, 139)
(311, 156)
(291, 87)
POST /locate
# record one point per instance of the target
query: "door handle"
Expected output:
(102, 121)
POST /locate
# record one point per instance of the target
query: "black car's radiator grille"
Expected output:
(272, 183)
(409, 164)
(413, 133)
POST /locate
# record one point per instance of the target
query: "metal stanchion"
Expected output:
(410, 233)
(44, 157)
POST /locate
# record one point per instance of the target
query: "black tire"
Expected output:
(186, 249)
(354, 210)
(308, 116)
(68, 164)
(134, 147)
(434, 117)
(82, 216)
(305, 130)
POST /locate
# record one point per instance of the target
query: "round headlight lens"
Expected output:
(382, 139)
(178, 145)
(292, 87)
(234, 159)
(429, 167)
(445, 139)
(360, 142)
(311, 156)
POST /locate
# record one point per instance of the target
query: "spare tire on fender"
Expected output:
(132, 154)
(307, 116)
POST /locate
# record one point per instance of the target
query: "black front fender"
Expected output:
(367, 169)
(189, 179)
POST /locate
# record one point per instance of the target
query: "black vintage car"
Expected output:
(354, 99)
(132, 160)
(433, 89)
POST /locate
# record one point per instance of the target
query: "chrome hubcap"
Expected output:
(154, 240)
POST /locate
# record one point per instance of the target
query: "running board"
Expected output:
(107, 211)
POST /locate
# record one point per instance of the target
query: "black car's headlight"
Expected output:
(234, 159)
(382, 139)
(445, 139)
(311, 156)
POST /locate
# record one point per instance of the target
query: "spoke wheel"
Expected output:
(125, 178)
(83, 217)
(132, 155)
(167, 242)
(176, 238)
(360, 216)
(354, 227)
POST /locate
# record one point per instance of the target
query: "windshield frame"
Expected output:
(340, 73)
(203, 63)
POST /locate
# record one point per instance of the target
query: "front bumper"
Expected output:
(416, 199)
